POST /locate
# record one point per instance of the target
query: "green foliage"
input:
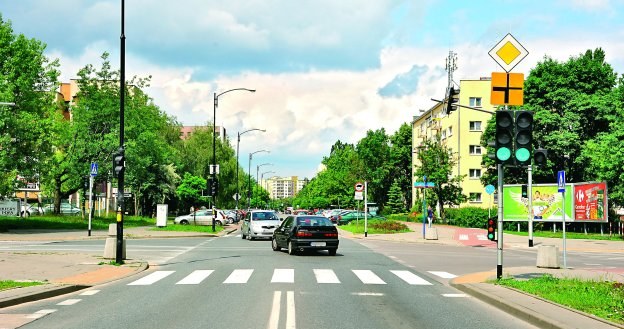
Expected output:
(190, 191)
(10, 284)
(57, 222)
(395, 200)
(469, 216)
(603, 299)
(376, 227)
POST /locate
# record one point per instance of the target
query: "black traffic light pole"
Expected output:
(120, 178)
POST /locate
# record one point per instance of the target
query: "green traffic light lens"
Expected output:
(503, 154)
(522, 154)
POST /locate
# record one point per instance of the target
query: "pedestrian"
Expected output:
(429, 215)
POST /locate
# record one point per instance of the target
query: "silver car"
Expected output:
(202, 217)
(259, 224)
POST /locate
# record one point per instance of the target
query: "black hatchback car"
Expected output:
(306, 232)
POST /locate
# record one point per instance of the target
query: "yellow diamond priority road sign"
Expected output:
(508, 53)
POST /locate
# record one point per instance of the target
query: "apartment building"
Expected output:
(283, 187)
(186, 131)
(461, 132)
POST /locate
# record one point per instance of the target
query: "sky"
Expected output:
(323, 70)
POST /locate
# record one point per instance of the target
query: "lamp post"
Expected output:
(213, 167)
(237, 145)
(262, 178)
(249, 180)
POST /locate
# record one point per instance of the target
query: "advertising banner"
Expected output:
(590, 202)
(546, 203)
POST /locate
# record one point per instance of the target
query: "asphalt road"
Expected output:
(228, 282)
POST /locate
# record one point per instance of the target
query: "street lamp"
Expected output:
(237, 145)
(262, 178)
(249, 180)
(213, 167)
(258, 169)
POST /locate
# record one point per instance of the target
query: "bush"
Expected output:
(468, 216)
(389, 226)
(411, 217)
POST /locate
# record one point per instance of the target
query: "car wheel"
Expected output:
(249, 237)
(25, 214)
(291, 248)
(219, 223)
(275, 246)
(332, 252)
(184, 222)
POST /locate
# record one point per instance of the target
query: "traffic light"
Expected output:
(491, 229)
(453, 100)
(119, 162)
(214, 189)
(504, 136)
(540, 157)
(523, 139)
(525, 191)
(85, 183)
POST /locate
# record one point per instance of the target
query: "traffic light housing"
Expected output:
(214, 188)
(503, 139)
(119, 162)
(491, 229)
(453, 100)
(523, 138)
(540, 157)
(525, 191)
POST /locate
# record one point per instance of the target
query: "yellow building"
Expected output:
(461, 132)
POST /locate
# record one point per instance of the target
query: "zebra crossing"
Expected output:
(287, 275)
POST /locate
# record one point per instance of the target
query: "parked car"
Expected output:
(66, 209)
(306, 232)
(350, 216)
(259, 224)
(201, 217)
(337, 214)
(31, 209)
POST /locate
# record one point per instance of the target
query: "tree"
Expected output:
(396, 202)
(28, 79)
(436, 164)
(190, 191)
(400, 162)
(374, 151)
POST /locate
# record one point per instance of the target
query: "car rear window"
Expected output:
(314, 221)
(264, 216)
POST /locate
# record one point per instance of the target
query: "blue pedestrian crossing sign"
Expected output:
(561, 181)
(94, 169)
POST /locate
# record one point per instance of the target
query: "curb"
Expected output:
(43, 293)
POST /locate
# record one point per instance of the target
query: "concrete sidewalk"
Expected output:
(67, 272)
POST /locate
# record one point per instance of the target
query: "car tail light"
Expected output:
(331, 235)
(303, 234)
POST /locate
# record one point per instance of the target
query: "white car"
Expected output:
(201, 217)
(259, 224)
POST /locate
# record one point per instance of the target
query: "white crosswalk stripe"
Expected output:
(196, 277)
(368, 277)
(239, 276)
(281, 275)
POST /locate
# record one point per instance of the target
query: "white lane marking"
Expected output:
(239, 276)
(368, 277)
(69, 302)
(275, 310)
(411, 278)
(393, 257)
(589, 264)
(283, 275)
(325, 276)
(444, 275)
(151, 278)
(89, 292)
(455, 295)
(463, 237)
(367, 294)
(196, 277)
(290, 310)
(39, 314)
(481, 237)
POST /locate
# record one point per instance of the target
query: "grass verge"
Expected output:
(189, 228)
(59, 222)
(603, 299)
(10, 284)
(376, 227)
(569, 235)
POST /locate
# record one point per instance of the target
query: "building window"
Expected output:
(475, 197)
(475, 125)
(475, 173)
(475, 101)
(443, 135)
(475, 149)
(450, 131)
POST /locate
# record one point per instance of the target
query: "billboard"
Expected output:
(585, 202)
(546, 203)
(590, 202)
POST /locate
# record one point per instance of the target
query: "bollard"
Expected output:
(548, 256)
(110, 248)
(431, 234)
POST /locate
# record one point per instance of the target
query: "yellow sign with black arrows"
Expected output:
(507, 89)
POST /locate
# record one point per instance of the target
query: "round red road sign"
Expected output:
(359, 187)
